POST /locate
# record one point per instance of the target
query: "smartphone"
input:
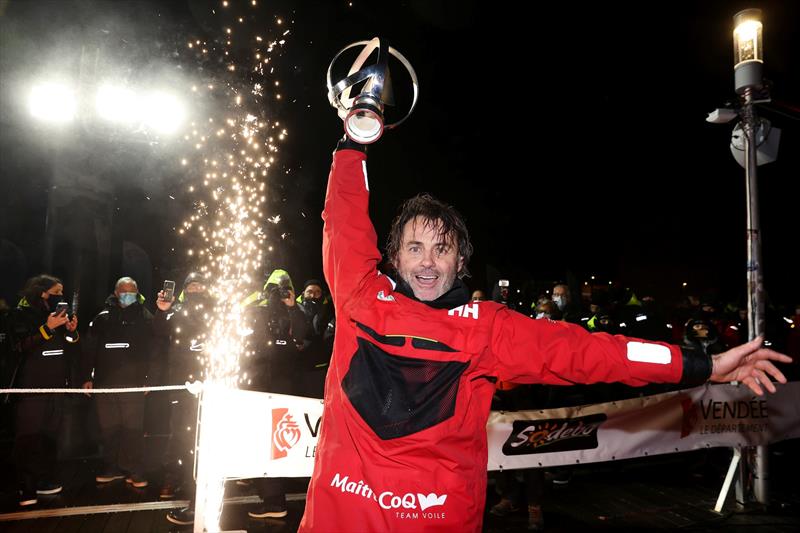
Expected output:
(61, 308)
(169, 289)
(503, 283)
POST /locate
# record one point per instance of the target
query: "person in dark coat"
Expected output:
(184, 324)
(45, 339)
(318, 342)
(118, 354)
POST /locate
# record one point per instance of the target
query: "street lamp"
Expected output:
(748, 52)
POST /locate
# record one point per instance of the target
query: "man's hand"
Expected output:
(88, 386)
(55, 321)
(290, 301)
(162, 303)
(72, 325)
(750, 364)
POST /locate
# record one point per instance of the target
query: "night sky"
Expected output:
(571, 137)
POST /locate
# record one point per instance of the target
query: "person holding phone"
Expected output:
(119, 352)
(182, 323)
(45, 336)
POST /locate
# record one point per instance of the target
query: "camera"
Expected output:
(281, 291)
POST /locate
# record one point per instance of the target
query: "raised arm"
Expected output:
(543, 351)
(349, 244)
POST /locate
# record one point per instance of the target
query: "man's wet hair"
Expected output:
(437, 215)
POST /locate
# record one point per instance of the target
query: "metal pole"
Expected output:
(755, 287)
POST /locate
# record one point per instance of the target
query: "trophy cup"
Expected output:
(363, 113)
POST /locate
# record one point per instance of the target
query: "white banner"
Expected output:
(270, 435)
(706, 416)
(256, 434)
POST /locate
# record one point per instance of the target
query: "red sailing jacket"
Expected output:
(402, 445)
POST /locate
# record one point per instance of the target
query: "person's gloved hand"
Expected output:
(346, 143)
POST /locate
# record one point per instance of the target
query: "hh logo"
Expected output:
(465, 311)
(285, 432)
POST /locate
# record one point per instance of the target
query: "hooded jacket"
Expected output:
(119, 347)
(402, 444)
(277, 331)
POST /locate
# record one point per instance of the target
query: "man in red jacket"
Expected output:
(402, 445)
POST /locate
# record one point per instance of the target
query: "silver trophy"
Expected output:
(363, 113)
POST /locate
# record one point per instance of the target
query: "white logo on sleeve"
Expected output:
(465, 311)
(641, 352)
(431, 500)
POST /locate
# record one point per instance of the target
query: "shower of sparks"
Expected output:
(230, 156)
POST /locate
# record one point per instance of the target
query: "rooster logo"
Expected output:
(431, 500)
(285, 433)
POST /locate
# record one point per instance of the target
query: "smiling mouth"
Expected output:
(427, 280)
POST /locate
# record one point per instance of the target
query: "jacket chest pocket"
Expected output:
(398, 396)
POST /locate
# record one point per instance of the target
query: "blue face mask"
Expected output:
(127, 298)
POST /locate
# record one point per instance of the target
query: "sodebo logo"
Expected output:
(389, 500)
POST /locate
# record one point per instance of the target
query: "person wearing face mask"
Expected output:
(182, 322)
(568, 310)
(45, 340)
(318, 342)
(118, 352)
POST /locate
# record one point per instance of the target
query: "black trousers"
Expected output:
(179, 455)
(272, 490)
(35, 454)
(121, 419)
(531, 488)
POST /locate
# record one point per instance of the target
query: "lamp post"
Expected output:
(749, 61)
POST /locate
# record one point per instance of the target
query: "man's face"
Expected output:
(560, 291)
(312, 292)
(427, 263)
(125, 287)
(195, 287)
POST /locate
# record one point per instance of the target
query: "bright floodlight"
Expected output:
(117, 104)
(53, 102)
(748, 51)
(162, 112)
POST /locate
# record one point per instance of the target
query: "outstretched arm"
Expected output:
(751, 364)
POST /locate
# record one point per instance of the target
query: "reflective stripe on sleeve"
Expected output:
(641, 352)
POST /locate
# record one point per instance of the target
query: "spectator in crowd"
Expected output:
(45, 337)
(478, 296)
(280, 327)
(642, 319)
(547, 309)
(318, 343)
(183, 323)
(118, 352)
(501, 293)
(700, 334)
(570, 311)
